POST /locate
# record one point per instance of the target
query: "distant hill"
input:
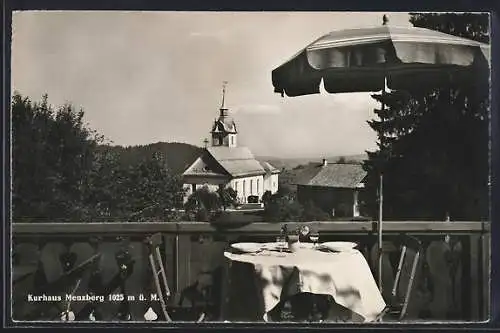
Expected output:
(292, 163)
(181, 155)
(178, 155)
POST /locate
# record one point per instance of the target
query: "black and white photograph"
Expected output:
(250, 167)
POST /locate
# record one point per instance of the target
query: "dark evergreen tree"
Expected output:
(433, 145)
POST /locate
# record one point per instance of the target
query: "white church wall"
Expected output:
(274, 183)
(271, 183)
(246, 186)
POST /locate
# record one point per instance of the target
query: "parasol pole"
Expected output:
(379, 231)
(380, 207)
(385, 20)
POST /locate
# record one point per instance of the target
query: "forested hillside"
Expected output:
(178, 156)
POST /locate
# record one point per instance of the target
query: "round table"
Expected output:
(256, 282)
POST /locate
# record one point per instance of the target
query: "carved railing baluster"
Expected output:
(125, 266)
(425, 286)
(95, 285)
(95, 282)
(21, 277)
(67, 258)
(455, 262)
(40, 277)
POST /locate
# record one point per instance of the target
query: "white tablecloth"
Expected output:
(345, 276)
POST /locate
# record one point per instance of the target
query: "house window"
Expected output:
(251, 186)
(232, 140)
(244, 190)
(236, 186)
(257, 186)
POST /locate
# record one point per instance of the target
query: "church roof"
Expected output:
(237, 161)
(332, 175)
(222, 161)
(268, 167)
(224, 123)
(205, 166)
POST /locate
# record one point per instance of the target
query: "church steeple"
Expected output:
(223, 110)
(224, 129)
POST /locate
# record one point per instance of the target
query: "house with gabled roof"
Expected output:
(333, 187)
(225, 164)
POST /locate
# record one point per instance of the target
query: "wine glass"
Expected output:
(314, 237)
(281, 242)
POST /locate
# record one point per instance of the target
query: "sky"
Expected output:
(145, 77)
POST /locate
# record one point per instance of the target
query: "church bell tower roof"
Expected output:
(225, 123)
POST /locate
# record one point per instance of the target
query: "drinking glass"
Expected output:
(281, 242)
(314, 237)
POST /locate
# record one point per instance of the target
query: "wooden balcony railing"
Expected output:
(453, 282)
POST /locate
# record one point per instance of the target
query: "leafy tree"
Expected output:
(140, 192)
(202, 204)
(151, 192)
(312, 212)
(283, 207)
(433, 144)
(106, 187)
(52, 157)
(228, 197)
(61, 173)
(266, 197)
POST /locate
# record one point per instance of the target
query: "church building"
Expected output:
(225, 164)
